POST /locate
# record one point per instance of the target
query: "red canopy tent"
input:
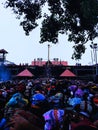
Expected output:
(67, 73)
(25, 73)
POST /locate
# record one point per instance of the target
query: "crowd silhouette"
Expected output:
(48, 104)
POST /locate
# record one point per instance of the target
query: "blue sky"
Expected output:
(24, 49)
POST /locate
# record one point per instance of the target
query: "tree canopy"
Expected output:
(76, 18)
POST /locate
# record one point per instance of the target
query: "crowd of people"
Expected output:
(48, 104)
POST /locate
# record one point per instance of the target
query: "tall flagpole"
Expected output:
(48, 53)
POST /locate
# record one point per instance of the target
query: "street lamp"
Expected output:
(94, 47)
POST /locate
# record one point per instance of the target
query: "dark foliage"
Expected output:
(76, 18)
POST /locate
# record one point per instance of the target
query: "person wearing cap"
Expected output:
(39, 104)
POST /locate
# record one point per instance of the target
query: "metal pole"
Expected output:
(95, 47)
(96, 61)
(96, 54)
(92, 57)
(48, 53)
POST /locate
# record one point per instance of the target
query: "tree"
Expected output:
(77, 18)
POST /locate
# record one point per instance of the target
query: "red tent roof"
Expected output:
(25, 73)
(67, 73)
